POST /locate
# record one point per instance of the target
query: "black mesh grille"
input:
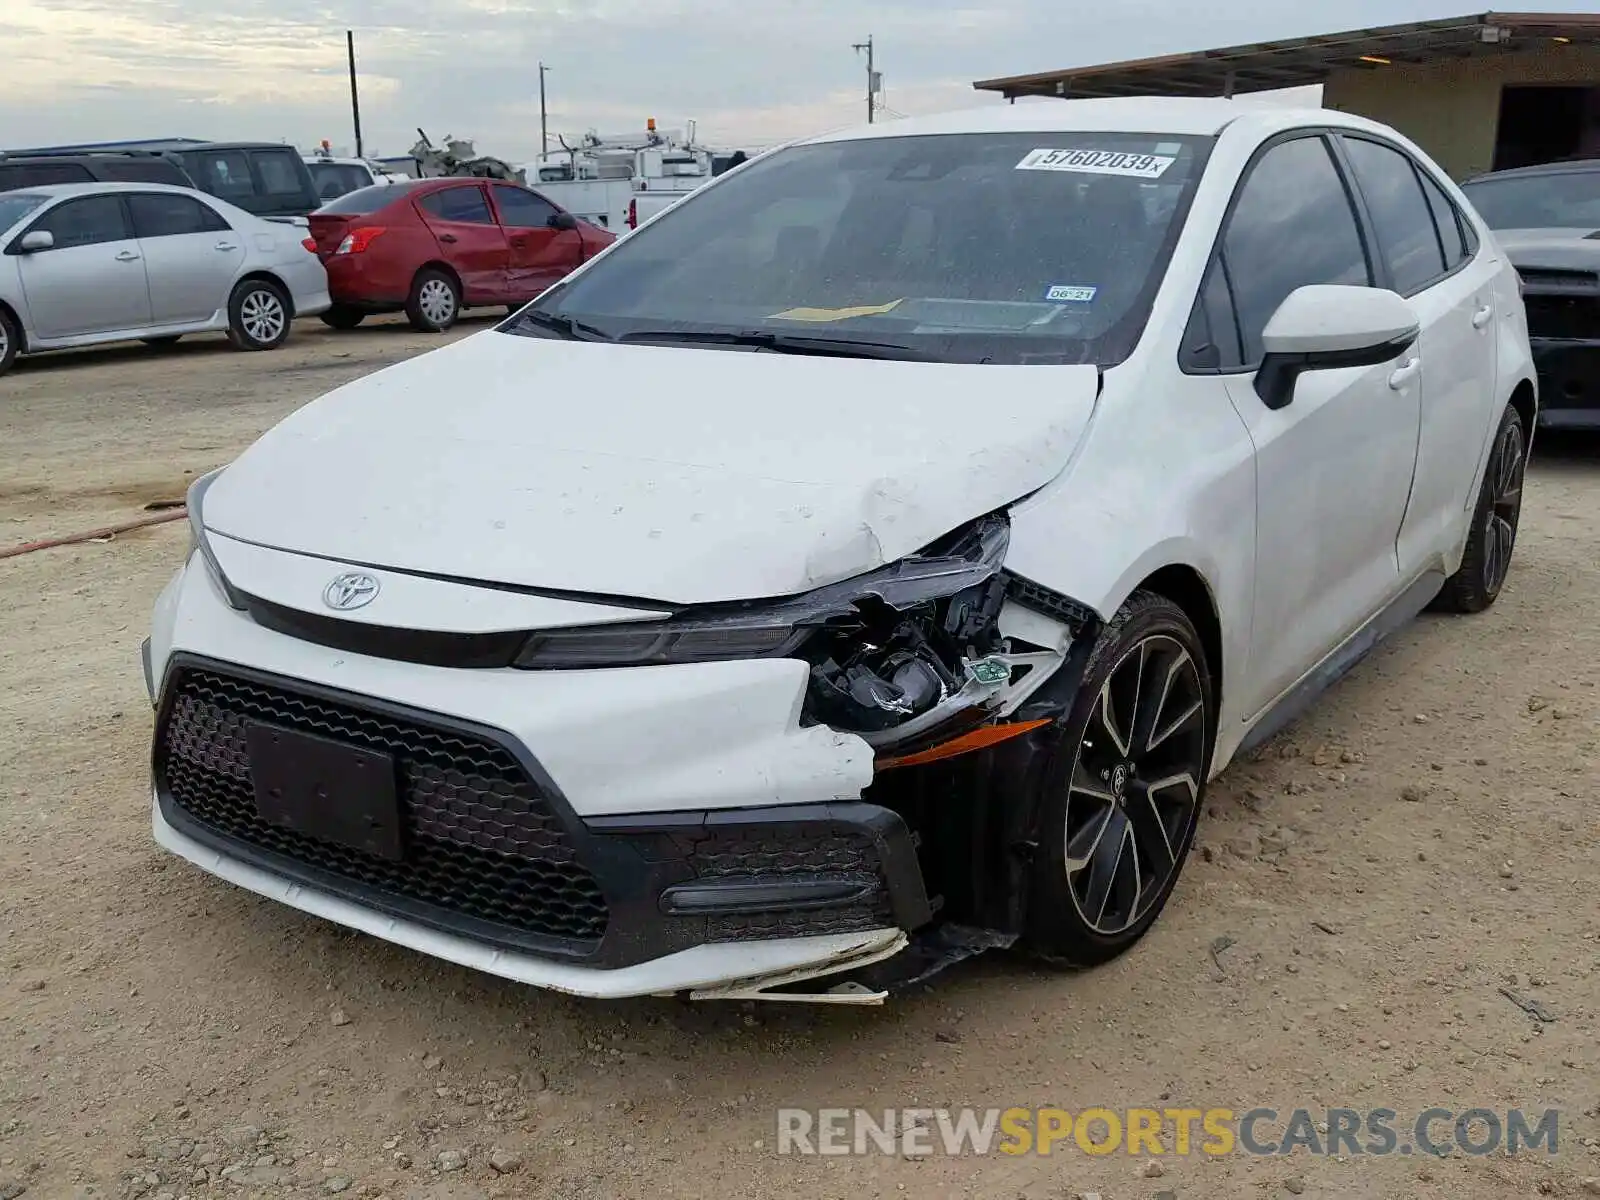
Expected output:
(769, 853)
(481, 841)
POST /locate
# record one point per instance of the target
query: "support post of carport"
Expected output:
(1228, 81)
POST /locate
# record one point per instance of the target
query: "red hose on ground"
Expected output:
(176, 514)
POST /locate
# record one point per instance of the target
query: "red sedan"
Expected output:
(436, 246)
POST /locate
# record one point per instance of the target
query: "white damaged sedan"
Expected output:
(864, 564)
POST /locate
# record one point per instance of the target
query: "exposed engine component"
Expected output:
(460, 158)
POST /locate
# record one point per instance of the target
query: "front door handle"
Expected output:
(127, 256)
(1483, 316)
(1405, 375)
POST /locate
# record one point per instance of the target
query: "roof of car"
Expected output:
(58, 190)
(1575, 166)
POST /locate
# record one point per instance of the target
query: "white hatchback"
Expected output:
(949, 502)
(87, 263)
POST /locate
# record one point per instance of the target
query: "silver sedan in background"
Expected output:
(86, 263)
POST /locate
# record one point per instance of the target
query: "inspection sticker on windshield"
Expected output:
(1063, 293)
(1098, 162)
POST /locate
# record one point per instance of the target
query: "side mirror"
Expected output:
(39, 239)
(1323, 327)
(562, 220)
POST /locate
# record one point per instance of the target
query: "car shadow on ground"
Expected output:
(1567, 449)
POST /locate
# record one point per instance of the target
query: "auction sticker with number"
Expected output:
(1098, 162)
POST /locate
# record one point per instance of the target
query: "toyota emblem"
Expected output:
(350, 591)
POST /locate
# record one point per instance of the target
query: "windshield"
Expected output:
(1557, 200)
(1005, 248)
(16, 205)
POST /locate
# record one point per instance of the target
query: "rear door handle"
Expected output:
(448, 237)
(226, 246)
(1405, 375)
(1483, 316)
(127, 256)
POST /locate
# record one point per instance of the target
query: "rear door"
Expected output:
(191, 255)
(539, 255)
(92, 280)
(1426, 252)
(470, 240)
(226, 175)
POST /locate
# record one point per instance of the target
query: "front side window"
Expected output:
(459, 204)
(1292, 226)
(1400, 212)
(89, 221)
(1550, 200)
(987, 248)
(167, 214)
(521, 208)
(279, 171)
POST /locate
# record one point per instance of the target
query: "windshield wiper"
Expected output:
(786, 343)
(567, 327)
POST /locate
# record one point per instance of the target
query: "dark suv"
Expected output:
(264, 178)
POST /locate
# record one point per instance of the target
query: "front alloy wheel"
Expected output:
(1120, 815)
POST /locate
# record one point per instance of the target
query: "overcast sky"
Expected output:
(750, 71)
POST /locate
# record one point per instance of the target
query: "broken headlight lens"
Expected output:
(884, 648)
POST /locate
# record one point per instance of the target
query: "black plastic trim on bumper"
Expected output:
(149, 670)
(636, 860)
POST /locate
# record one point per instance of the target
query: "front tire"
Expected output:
(10, 341)
(258, 315)
(435, 301)
(1487, 561)
(1124, 794)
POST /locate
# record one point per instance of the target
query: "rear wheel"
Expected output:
(1123, 796)
(341, 316)
(10, 341)
(1487, 560)
(258, 315)
(435, 301)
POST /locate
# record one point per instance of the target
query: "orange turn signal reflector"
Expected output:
(977, 739)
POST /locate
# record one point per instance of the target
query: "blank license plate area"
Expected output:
(325, 789)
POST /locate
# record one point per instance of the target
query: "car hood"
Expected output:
(1552, 249)
(681, 475)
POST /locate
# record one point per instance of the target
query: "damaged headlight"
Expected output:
(892, 652)
(194, 502)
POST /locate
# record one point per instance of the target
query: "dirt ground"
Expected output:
(1424, 838)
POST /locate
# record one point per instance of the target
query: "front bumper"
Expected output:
(506, 867)
(1569, 382)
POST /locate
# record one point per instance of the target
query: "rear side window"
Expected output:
(522, 208)
(1452, 225)
(23, 175)
(88, 221)
(1292, 226)
(226, 173)
(141, 170)
(336, 179)
(279, 171)
(161, 214)
(1400, 214)
(458, 204)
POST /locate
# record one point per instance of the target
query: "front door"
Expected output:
(470, 240)
(191, 256)
(92, 280)
(1334, 466)
(540, 255)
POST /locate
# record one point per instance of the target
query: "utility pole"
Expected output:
(355, 99)
(872, 76)
(544, 120)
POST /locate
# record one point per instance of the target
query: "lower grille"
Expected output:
(766, 853)
(482, 841)
(1566, 317)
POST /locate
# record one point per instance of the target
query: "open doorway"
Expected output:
(1540, 124)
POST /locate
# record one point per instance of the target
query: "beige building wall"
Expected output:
(1452, 109)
